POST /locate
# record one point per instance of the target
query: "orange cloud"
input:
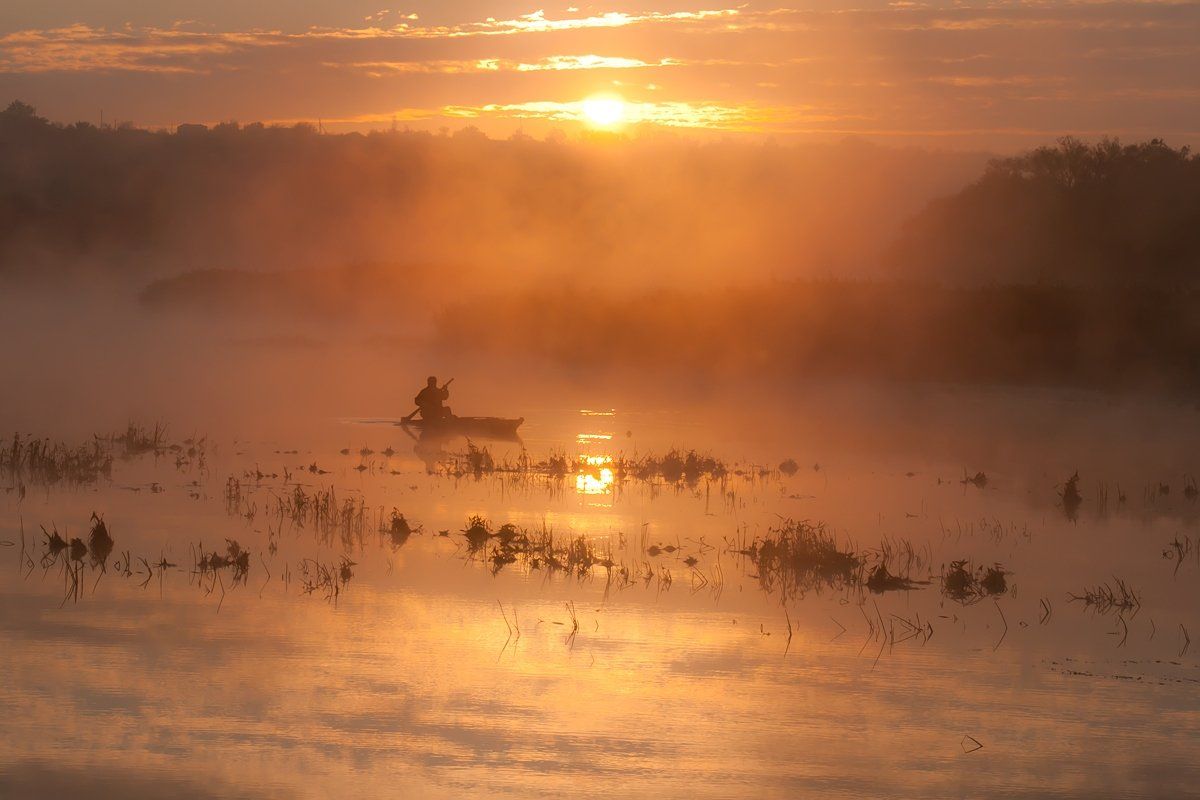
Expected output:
(712, 116)
(965, 66)
(550, 63)
(80, 48)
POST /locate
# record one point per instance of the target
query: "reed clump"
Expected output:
(344, 519)
(39, 461)
(1107, 598)
(397, 529)
(100, 542)
(539, 549)
(1071, 498)
(326, 578)
(967, 585)
(42, 462)
(675, 467)
(235, 558)
(881, 580)
(798, 556)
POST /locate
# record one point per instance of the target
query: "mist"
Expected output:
(437, 208)
(245, 270)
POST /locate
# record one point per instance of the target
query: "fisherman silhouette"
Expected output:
(431, 401)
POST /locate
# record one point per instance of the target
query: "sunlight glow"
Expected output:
(604, 111)
(595, 476)
(666, 114)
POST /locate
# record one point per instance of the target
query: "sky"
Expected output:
(991, 74)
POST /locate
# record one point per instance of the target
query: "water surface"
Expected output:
(425, 669)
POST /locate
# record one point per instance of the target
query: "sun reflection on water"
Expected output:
(595, 475)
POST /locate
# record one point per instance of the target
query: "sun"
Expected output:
(604, 111)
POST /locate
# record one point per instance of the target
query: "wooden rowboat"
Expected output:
(495, 427)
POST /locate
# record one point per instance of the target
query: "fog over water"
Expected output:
(820, 486)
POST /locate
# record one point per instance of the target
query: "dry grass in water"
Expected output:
(798, 557)
(965, 585)
(397, 529)
(1117, 597)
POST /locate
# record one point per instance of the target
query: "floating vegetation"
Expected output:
(70, 553)
(900, 557)
(100, 543)
(235, 558)
(55, 545)
(397, 529)
(978, 480)
(327, 579)
(1071, 498)
(675, 467)
(881, 581)
(76, 550)
(26, 460)
(1178, 551)
(40, 462)
(798, 557)
(789, 467)
(478, 531)
(965, 585)
(322, 511)
(479, 459)
(1117, 597)
(136, 441)
(535, 550)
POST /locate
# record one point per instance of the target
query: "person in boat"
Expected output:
(431, 401)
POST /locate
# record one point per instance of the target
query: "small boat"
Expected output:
(495, 427)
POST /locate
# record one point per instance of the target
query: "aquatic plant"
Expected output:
(1071, 498)
(41, 462)
(235, 558)
(880, 581)
(979, 480)
(329, 579)
(1117, 597)
(99, 542)
(534, 550)
(965, 585)
(799, 556)
(136, 440)
(397, 529)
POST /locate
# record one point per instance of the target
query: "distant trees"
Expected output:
(658, 210)
(1074, 213)
(19, 111)
(465, 207)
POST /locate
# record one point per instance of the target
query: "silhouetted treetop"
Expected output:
(1073, 213)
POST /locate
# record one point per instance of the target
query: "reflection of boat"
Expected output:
(495, 427)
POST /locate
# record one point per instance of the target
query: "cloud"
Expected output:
(965, 65)
(538, 22)
(80, 48)
(183, 47)
(549, 63)
(667, 114)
